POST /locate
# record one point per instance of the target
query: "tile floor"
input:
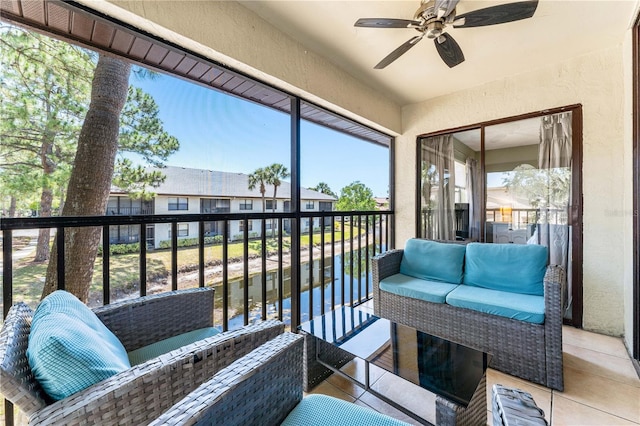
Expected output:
(601, 386)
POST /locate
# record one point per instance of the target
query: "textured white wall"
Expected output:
(232, 34)
(595, 81)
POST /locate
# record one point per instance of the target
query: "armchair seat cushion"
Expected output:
(523, 307)
(69, 348)
(156, 349)
(322, 410)
(417, 288)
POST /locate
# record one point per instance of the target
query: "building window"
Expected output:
(246, 205)
(183, 230)
(176, 203)
(249, 225)
(310, 205)
(212, 205)
(271, 205)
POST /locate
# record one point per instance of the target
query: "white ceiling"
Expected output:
(559, 29)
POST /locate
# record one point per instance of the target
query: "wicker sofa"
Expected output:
(142, 393)
(529, 350)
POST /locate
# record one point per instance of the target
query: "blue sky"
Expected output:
(220, 132)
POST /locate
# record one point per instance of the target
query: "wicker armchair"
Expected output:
(526, 350)
(259, 389)
(143, 392)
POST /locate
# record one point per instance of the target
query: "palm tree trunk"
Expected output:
(90, 181)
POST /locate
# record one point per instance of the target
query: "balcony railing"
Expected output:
(303, 271)
(292, 273)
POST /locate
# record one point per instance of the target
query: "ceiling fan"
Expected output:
(433, 16)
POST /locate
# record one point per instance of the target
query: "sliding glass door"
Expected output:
(510, 181)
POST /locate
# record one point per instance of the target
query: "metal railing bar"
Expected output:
(106, 253)
(245, 278)
(351, 261)
(174, 256)
(359, 259)
(7, 276)
(310, 263)
(225, 275)
(280, 269)
(342, 259)
(143, 260)
(333, 264)
(264, 267)
(201, 264)
(322, 265)
(366, 230)
(60, 266)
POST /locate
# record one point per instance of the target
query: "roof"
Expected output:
(212, 183)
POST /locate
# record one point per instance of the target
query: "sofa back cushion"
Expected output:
(70, 348)
(517, 268)
(431, 260)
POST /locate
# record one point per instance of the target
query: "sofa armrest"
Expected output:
(259, 389)
(384, 265)
(554, 288)
(142, 393)
(145, 320)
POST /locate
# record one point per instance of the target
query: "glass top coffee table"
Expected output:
(423, 368)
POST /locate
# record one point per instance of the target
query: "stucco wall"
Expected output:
(232, 34)
(628, 188)
(595, 81)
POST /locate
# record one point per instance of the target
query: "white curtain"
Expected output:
(553, 229)
(438, 187)
(555, 141)
(474, 199)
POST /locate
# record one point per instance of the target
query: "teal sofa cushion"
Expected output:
(434, 261)
(69, 348)
(515, 268)
(523, 307)
(162, 347)
(417, 288)
(323, 410)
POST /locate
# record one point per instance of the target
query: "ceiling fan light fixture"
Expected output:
(434, 29)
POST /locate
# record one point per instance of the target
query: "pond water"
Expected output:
(361, 287)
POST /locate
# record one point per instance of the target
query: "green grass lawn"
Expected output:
(28, 277)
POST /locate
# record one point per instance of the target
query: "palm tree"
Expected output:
(323, 188)
(275, 173)
(258, 178)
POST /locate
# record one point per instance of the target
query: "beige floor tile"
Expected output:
(380, 406)
(611, 396)
(568, 413)
(408, 395)
(345, 385)
(601, 364)
(326, 388)
(540, 394)
(596, 342)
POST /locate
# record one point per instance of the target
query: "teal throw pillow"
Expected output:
(69, 348)
(434, 261)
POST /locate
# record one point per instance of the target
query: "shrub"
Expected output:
(115, 249)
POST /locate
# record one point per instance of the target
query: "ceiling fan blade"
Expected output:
(449, 50)
(497, 14)
(386, 23)
(398, 52)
